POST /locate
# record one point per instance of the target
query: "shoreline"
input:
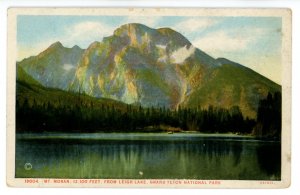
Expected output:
(141, 136)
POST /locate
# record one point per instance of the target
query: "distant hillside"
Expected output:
(31, 90)
(232, 84)
(55, 67)
(22, 76)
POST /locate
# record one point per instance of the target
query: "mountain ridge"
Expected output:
(152, 67)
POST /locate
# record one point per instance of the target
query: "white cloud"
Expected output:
(182, 54)
(221, 41)
(195, 24)
(85, 33)
(229, 40)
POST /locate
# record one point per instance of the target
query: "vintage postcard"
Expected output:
(162, 98)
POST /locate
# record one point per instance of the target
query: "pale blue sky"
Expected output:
(252, 41)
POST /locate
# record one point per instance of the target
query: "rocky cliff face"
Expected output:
(138, 64)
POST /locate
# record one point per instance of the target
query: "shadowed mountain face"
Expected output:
(151, 67)
(55, 67)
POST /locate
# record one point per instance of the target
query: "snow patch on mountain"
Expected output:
(181, 54)
(161, 46)
(68, 67)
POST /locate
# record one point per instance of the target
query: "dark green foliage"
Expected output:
(269, 116)
(40, 109)
(224, 120)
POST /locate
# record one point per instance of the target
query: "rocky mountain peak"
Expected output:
(56, 45)
(76, 47)
(130, 28)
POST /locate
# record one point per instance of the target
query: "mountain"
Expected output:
(55, 67)
(150, 67)
(140, 64)
(232, 84)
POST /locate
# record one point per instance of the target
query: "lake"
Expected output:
(147, 156)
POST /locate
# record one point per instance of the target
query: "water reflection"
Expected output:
(269, 157)
(195, 158)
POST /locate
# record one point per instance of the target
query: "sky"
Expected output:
(254, 42)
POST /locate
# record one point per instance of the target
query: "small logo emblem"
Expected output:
(28, 166)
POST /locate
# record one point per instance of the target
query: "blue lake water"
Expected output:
(147, 156)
